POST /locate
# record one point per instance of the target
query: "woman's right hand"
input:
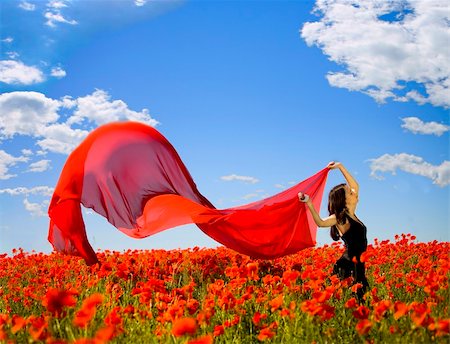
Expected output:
(303, 197)
(333, 165)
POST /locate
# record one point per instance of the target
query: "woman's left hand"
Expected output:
(333, 164)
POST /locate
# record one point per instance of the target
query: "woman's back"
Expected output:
(355, 238)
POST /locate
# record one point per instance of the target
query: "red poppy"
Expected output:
(55, 341)
(218, 330)
(192, 305)
(252, 268)
(381, 308)
(56, 299)
(276, 303)
(88, 310)
(364, 257)
(442, 327)
(105, 334)
(400, 309)
(356, 286)
(290, 277)
(257, 317)
(362, 312)
(265, 333)
(38, 328)
(3, 319)
(322, 296)
(184, 326)
(113, 318)
(363, 326)
(17, 323)
(351, 303)
(208, 339)
(322, 310)
(3, 335)
(419, 314)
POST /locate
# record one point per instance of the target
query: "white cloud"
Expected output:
(245, 179)
(140, 3)
(439, 174)
(8, 40)
(61, 138)
(381, 56)
(7, 161)
(56, 4)
(27, 6)
(98, 108)
(12, 55)
(58, 72)
(417, 126)
(39, 166)
(26, 113)
(36, 209)
(53, 18)
(21, 190)
(27, 152)
(54, 15)
(33, 114)
(15, 72)
(250, 196)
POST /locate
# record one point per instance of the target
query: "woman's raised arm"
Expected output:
(326, 222)
(352, 183)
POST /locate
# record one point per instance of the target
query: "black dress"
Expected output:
(355, 239)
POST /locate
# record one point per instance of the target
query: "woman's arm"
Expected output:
(352, 183)
(326, 222)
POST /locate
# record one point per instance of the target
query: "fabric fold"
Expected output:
(130, 174)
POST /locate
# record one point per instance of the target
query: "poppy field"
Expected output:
(218, 296)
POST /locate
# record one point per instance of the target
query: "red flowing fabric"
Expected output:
(129, 173)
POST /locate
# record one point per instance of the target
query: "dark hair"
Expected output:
(337, 206)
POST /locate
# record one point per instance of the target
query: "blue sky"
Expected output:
(255, 96)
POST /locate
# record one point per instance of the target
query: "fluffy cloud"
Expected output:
(140, 3)
(15, 72)
(389, 49)
(417, 126)
(54, 15)
(58, 72)
(60, 138)
(12, 54)
(99, 108)
(57, 4)
(26, 113)
(33, 114)
(245, 179)
(39, 166)
(36, 209)
(7, 161)
(27, 152)
(53, 18)
(37, 190)
(27, 6)
(439, 174)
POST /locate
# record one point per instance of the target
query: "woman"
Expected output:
(344, 223)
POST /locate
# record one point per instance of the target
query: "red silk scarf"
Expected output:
(129, 173)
